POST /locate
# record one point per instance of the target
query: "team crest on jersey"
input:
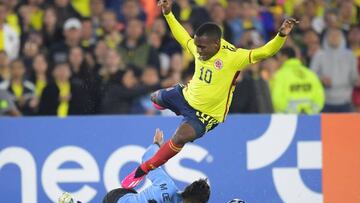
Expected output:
(218, 64)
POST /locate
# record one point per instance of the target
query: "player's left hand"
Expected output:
(159, 137)
(165, 6)
(287, 26)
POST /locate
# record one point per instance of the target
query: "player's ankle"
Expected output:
(140, 171)
(144, 168)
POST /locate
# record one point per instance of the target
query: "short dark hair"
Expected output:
(198, 191)
(288, 51)
(210, 30)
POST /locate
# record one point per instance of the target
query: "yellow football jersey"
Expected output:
(210, 90)
(211, 87)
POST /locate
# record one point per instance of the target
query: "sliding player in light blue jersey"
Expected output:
(162, 190)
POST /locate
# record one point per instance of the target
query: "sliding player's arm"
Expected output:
(178, 31)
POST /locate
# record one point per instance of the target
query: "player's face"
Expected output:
(206, 47)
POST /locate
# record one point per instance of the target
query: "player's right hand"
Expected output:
(287, 26)
(165, 6)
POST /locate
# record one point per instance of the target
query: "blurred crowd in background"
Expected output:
(75, 57)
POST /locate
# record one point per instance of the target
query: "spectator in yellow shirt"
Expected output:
(20, 88)
(9, 39)
(12, 17)
(110, 29)
(62, 97)
(295, 88)
(39, 77)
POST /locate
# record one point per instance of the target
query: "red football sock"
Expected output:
(168, 150)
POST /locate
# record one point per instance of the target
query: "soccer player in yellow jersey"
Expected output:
(205, 100)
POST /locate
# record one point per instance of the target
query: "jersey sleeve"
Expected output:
(242, 58)
(268, 50)
(179, 33)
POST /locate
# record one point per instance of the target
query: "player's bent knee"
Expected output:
(153, 96)
(184, 134)
(180, 139)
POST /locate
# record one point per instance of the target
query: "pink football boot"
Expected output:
(130, 181)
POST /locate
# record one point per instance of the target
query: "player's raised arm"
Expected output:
(274, 45)
(179, 32)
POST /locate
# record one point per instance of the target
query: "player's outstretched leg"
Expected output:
(185, 133)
